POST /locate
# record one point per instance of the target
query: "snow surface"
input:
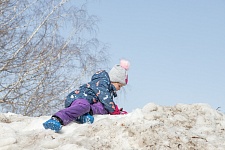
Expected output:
(195, 126)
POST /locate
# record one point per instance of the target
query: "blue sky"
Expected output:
(176, 49)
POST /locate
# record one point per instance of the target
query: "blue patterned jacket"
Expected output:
(99, 89)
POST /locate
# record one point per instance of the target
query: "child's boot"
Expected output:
(86, 118)
(53, 124)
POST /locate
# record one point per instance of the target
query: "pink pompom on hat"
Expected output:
(119, 72)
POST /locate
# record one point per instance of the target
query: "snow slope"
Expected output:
(182, 126)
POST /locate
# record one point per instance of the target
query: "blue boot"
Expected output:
(53, 124)
(86, 118)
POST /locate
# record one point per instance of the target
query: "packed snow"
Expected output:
(184, 127)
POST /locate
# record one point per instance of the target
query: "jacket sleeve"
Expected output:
(105, 96)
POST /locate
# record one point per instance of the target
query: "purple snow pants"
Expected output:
(78, 108)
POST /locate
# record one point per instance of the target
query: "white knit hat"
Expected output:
(119, 72)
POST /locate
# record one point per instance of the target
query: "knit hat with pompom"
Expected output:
(119, 72)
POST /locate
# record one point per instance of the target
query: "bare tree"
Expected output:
(46, 49)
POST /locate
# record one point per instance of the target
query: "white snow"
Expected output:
(184, 127)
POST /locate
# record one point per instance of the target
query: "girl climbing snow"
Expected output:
(95, 97)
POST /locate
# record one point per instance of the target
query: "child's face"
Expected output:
(117, 85)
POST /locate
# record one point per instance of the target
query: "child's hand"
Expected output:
(118, 111)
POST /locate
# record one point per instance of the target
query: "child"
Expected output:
(95, 97)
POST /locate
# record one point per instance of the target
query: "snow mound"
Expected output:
(182, 126)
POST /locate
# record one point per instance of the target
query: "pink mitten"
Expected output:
(116, 111)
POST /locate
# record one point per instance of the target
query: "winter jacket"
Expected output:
(99, 89)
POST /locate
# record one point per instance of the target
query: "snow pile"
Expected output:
(195, 126)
